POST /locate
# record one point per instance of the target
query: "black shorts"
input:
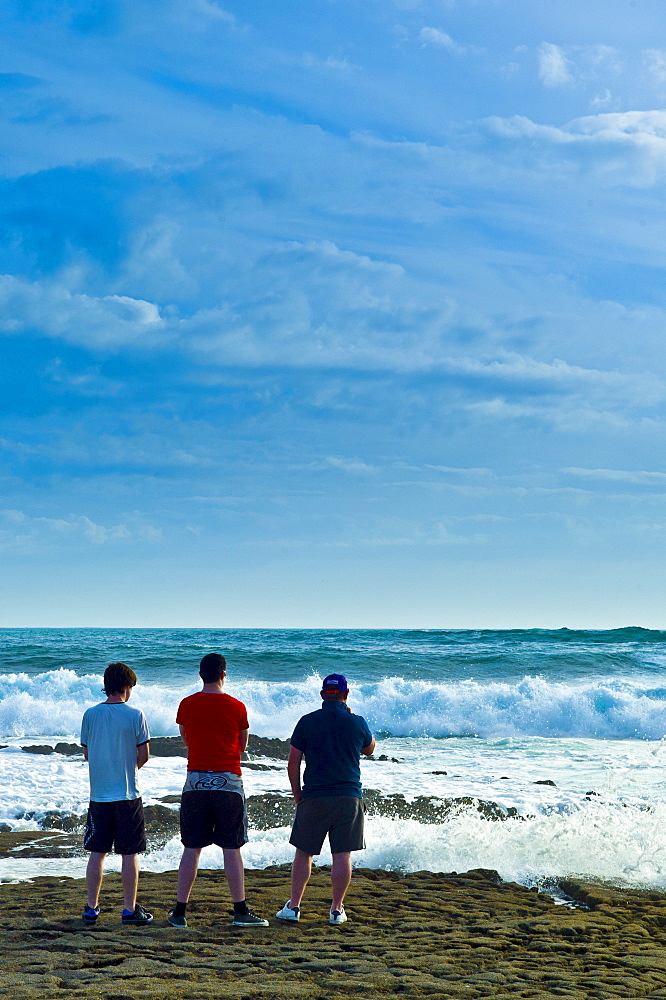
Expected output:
(340, 816)
(115, 824)
(212, 817)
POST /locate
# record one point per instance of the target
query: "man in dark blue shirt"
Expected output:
(329, 803)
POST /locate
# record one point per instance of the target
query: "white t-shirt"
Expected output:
(112, 733)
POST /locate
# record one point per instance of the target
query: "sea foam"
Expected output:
(52, 704)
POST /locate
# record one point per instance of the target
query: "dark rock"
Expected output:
(266, 746)
(262, 746)
(67, 822)
(432, 809)
(267, 811)
(162, 824)
(546, 781)
(70, 749)
(167, 746)
(439, 772)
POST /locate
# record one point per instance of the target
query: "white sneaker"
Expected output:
(337, 916)
(288, 912)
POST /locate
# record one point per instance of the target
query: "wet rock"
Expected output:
(162, 824)
(431, 809)
(69, 749)
(546, 781)
(266, 746)
(40, 844)
(262, 746)
(67, 821)
(267, 811)
(167, 746)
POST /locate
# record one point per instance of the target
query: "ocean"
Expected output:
(536, 753)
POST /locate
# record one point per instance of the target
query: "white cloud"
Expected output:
(580, 64)
(435, 36)
(554, 67)
(331, 62)
(213, 11)
(52, 309)
(620, 475)
(627, 147)
(602, 100)
(352, 465)
(20, 530)
(654, 61)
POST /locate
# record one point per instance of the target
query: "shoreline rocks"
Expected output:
(422, 935)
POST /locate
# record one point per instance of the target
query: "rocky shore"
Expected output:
(422, 935)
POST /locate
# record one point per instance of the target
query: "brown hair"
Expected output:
(211, 668)
(117, 677)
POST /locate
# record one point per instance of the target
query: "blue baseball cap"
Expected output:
(334, 684)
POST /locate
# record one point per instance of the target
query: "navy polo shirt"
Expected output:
(331, 740)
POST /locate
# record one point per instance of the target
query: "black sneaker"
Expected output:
(248, 919)
(90, 914)
(139, 918)
(177, 920)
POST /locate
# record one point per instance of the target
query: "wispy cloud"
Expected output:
(440, 39)
(24, 531)
(657, 479)
(554, 67)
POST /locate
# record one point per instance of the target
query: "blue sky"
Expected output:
(333, 313)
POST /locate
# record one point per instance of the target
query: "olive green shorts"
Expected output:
(339, 816)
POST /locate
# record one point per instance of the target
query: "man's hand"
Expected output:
(297, 797)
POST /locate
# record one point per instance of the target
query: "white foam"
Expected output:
(625, 845)
(52, 704)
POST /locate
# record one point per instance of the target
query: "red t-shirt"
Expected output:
(213, 724)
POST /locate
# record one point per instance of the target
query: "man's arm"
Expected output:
(85, 750)
(294, 772)
(243, 738)
(182, 733)
(369, 749)
(142, 754)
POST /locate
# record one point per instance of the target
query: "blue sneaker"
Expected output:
(90, 914)
(138, 917)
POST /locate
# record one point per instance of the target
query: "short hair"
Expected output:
(211, 668)
(117, 677)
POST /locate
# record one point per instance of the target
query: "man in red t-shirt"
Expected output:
(215, 729)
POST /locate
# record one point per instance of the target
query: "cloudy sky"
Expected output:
(333, 313)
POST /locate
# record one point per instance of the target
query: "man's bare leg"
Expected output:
(130, 877)
(233, 869)
(187, 872)
(300, 876)
(94, 876)
(341, 873)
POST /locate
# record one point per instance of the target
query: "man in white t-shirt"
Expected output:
(115, 744)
